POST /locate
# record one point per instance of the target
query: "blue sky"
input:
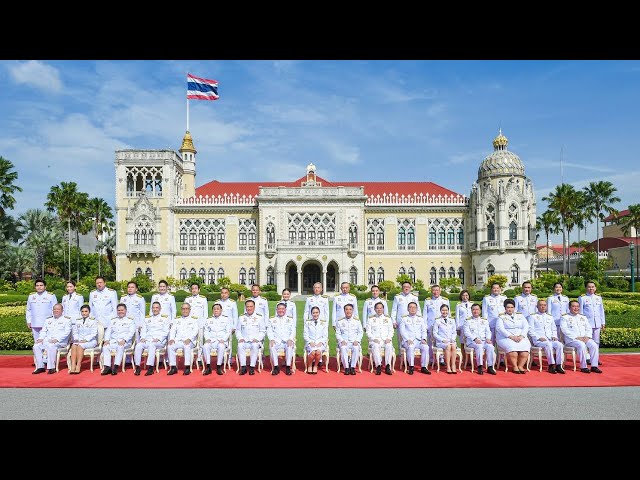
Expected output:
(355, 120)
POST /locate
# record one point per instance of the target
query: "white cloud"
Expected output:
(36, 73)
(343, 153)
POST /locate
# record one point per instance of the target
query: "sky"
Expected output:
(370, 120)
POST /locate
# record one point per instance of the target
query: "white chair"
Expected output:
(325, 358)
(403, 355)
(539, 352)
(91, 352)
(59, 352)
(349, 355)
(127, 351)
(247, 352)
(196, 352)
(282, 353)
(159, 351)
(439, 351)
(470, 355)
(392, 362)
(226, 362)
(567, 351)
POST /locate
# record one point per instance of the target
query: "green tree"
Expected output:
(7, 186)
(562, 201)
(108, 245)
(448, 283)
(40, 232)
(632, 220)
(400, 279)
(599, 196)
(499, 279)
(590, 268)
(100, 213)
(145, 284)
(550, 223)
(224, 282)
(17, 261)
(581, 244)
(9, 229)
(386, 286)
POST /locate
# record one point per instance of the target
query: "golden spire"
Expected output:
(500, 142)
(187, 143)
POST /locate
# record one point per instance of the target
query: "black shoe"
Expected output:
(552, 369)
(252, 370)
(596, 370)
(173, 370)
(347, 371)
(501, 363)
(319, 363)
(288, 370)
(410, 372)
(106, 371)
(585, 370)
(187, 371)
(114, 370)
(207, 371)
(379, 370)
(275, 371)
(150, 371)
(219, 370)
(243, 370)
(442, 364)
(137, 371)
(534, 364)
(491, 371)
(425, 370)
(480, 370)
(387, 370)
(352, 371)
(51, 371)
(589, 362)
(559, 369)
(38, 370)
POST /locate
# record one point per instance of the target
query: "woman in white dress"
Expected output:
(463, 311)
(511, 336)
(444, 333)
(316, 338)
(84, 331)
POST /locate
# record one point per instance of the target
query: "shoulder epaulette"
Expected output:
(66, 316)
(289, 316)
(372, 316)
(169, 293)
(487, 295)
(231, 299)
(92, 318)
(202, 296)
(110, 289)
(138, 295)
(163, 315)
(149, 316)
(583, 295)
(324, 296)
(258, 314)
(340, 319)
(597, 294)
(260, 296)
(130, 318)
(403, 316)
(194, 316)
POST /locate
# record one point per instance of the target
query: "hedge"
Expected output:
(623, 321)
(13, 298)
(621, 295)
(620, 338)
(16, 340)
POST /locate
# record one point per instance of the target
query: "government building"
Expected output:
(293, 234)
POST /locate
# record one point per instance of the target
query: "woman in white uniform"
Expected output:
(316, 338)
(463, 311)
(84, 331)
(444, 333)
(511, 336)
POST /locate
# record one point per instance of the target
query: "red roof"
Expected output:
(558, 248)
(622, 213)
(216, 188)
(606, 243)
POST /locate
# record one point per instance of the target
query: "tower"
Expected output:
(188, 152)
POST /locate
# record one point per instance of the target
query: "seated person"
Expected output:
(413, 332)
(282, 335)
(118, 337)
(445, 336)
(250, 333)
(577, 334)
(153, 335)
(544, 334)
(316, 338)
(84, 332)
(54, 334)
(380, 333)
(511, 335)
(477, 335)
(184, 335)
(217, 334)
(349, 335)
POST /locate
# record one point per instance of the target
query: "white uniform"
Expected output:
(320, 301)
(526, 304)
(478, 328)
(542, 325)
(349, 330)
(54, 334)
(578, 326)
(199, 306)
(444, 331)
(71, 304)
(369, 309)
(515, 325)
(262, 307)
(316, 332)
(183, 329)
(281, 330)
(291, 309)
(167, 304)
(250, 327)
(492, 308)
(153, 335)
(84, 332)
(103, 305)
(119, 329)
(380, 328)
(414, 329)
(592, 307)
(339, 301)
(135, 307)
(216, 335)
(400, 304)
(431, 312)
(230, 309)
(558, 305)
(463, 311)
(39, 308)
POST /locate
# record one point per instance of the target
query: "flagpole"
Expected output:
(187, 114)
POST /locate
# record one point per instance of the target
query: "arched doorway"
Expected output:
(332, 277)
(291, 279)
(311, 273)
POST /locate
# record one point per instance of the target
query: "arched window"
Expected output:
(136, 237)
(151, 240)
(491, 232)
(271, 233)
(452, 272)
(442, 273)
(271, 278)
(252, 239)
(221, 239)
(491, 223)
(202, 240)
(242, 240)
(252, 276)
(149, 273)
(183, 274)
(242, 276)
(411, 236)
(491, 270)
(183, 239)
(515, 274)
(451, 235)
(192, 272)
(513, 231)
(402, 271)
(380, 274)
(220, 273)
(353, 275)
(202, 273)
(461, 275)
(138, 271)
(432, 276)
(441, 236)
(432, 236)
(460, 236)
(412, 274)
(371, 276)
(402, 239)
(353, 234)
(371, 238)
(292, 235)
(212, 276)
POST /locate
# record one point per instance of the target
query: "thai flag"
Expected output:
(201, 88)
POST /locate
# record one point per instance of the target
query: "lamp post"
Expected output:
(633, 276)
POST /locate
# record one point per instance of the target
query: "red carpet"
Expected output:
(619, 370)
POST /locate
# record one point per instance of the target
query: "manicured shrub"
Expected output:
(16, 340)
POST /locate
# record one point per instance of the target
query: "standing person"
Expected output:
(557, 303)
(216, 335)
(526, 302)
(72, 301)
(54, 334)
(413, 331)
(84, 331)
(478, 336)
(199, 304)
(463, 312)
(544, 334)
(349, 337)
(291, 305)
(444, 333)
(493, 306)
(368, 309)
(250, 332)
(118, 337)
(136, 306)
(184, 335)
(317, 300)
(592, 307)
(399, 310)
(316, 337)
(261, 303)
(39, 307)
(380, 336)
(229, 307)
(282, 334)
(511, 330)
(432, 311)
(577, 333)
(153, 335)
(166, 300)
(103, 302)
(339, 302)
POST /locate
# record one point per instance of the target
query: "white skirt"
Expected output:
(509, 345)
(85, 345)
(310, 349)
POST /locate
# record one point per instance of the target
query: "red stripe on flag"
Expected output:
(203, 97)
(213, 82)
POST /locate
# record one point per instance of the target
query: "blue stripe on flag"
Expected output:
(201, 87)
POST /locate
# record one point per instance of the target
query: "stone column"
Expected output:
(299, 280)
(280, 279)
(324, 281)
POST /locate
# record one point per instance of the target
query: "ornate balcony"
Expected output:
(142, 249)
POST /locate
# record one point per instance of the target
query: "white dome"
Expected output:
(501, 162)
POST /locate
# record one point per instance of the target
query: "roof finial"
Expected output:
(500, 142)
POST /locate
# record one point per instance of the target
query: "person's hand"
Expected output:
(208, 341)
(187, 341)
(478, 341)
(220, 341)
(38, 341)
(602, 327)
(554, 339)
(105, 343)
(290, 343)
(376, 341)
(143, 340)
(388, 340)
(241, 341)
(395, 325)
(53, 340)
(343, 343)
(171, 342)
(272, 343)
(356, 343)
(29, 325)
(121, 342)
(543, 339)
(489, 342)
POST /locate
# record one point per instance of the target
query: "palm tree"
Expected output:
(17, 261)
(579, 218)
(550, 223)
(562, 202)
(100, 213)
(9, 229)
(7, 187)
(109, 244)
(599, 197)
(40, 231)
(629, 221)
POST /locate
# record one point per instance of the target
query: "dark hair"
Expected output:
(39, 280)
(225, 288)
(163, 282)
(286, 290)
(496, 283)
(588, 282)
(156, 303)
(376, 286)
(408, 283)
(185, 303)
(316, 308)
(247, 301)
(444, 305)
(132, 281)
(71, 282)
(476, 305)
(255, 285)
(122, 305)
(509, 301)
(558, 283)
(524, 283)
(434, 286)
(284, 304)
(411, 303)
(85, 306)
(378, 303)
(100, 277)
(464, 291)
(349, 305)
(194, 283)
(344, 283)
(574, 301)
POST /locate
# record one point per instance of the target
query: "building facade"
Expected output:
(294, 234)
